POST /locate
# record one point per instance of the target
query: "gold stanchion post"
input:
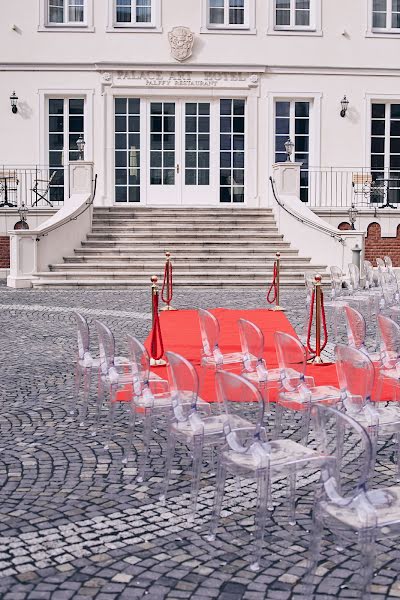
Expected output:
(318, 313)
(168, 282)
(154, 292)
(278, 275)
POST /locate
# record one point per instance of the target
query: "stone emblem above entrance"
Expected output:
(181, 41)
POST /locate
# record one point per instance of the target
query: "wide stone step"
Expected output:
(166, 211)
(162, 238)
(132, 267)
(190, 219)
(173, 228)
(261, 275)
(122, 283)
(112, 260)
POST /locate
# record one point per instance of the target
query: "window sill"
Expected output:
(229, 30)
(302, 32)
(382, 34)
(66, 28)
(134, 28)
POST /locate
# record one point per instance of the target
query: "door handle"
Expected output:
(177, 169)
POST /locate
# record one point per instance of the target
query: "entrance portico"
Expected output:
(181, 138)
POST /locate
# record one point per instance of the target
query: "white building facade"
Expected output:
(190, 102)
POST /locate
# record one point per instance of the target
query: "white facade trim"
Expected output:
(154, 27)
(44, 94)
(314, 29)
(249, 26)
(86, 27)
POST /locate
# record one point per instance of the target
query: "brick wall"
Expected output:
(4, 252)
(377, 246)
(344, 226)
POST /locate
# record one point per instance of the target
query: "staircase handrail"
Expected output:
(49, 228)
(304, 220)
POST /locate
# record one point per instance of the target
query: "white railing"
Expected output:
(362, 187)
(34, 186)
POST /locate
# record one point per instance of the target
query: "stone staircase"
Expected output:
(210, 247)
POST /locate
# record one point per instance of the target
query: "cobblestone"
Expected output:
(73, 521)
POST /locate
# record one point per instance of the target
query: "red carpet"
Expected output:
(181, 334)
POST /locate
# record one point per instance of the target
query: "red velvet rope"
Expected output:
(156, 345)
(273, 286)
(167, 283)
(310, 323)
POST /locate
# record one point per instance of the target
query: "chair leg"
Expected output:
(100, 402)
(218, 498)
(147, 422)
(292, 496)
(398, 454)
(305, 426)
(168, 465)
(129, 437)
(197, 450)
(314, 550)
(111, 415)
(77, 387)
(367, 555)
(278, 420)
(87, 379)
(261, 516)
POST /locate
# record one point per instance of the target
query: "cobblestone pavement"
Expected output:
(74, 523)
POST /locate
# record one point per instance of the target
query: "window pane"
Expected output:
(302, 109)
(56, 106)
(283, 17)
(395, 111)
(379, 5)
(282, 109)
(378, 111)
(379, 20)
(56, 11)
(236, 16)
(143, 14)
(217, 16)
(303, 18)
(395, 20)
(75, 11)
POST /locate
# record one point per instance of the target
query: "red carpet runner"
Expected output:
(181, 334)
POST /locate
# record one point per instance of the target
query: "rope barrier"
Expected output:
(275, 285)
(317, 297)
(156, 341)
(167, 285)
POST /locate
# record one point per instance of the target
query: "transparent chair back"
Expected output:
(252, 344)
(106, 348)
(369, 274)
(336, 282)
(388, 262)
(292, 360)
(83, 336)
(354, 274)
(356, 328)
(209, 329)
(390, 341)
(184, 386)
(356, 376)
(140, 363)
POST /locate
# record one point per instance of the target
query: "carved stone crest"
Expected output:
(181, 41)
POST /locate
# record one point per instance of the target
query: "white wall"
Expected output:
(322, 67)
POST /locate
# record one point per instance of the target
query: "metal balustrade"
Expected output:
(33, 186)
(343, 187)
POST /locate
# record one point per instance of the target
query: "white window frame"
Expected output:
(314, 28)
(387, 100)
(84, 26)
(116, 27)
(381, 31)
(249, 25)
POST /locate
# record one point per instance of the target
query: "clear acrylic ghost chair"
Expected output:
(356, 375)
(344, 505)
(151, 398)
(356, 332)
(189, 426)
(347, 295)
(212, 356)
(390, 290)
(295, 394)
(390, 355)
(112, 377)
(365, 300)
(251, 456)
(85, 364)
(254, 365)
(393, 277)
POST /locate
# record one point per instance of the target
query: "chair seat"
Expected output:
(274, 376)
(386, 505)
(94, 363)
(281, 453)
(318, 394)
(390, 373)
(212, 426)
(230, 358)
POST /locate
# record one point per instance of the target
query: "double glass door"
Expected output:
(180, 151)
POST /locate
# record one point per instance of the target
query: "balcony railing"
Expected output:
(342, 187)
(33, 186)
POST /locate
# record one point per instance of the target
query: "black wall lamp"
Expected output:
(345, 103)
(13, 100)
